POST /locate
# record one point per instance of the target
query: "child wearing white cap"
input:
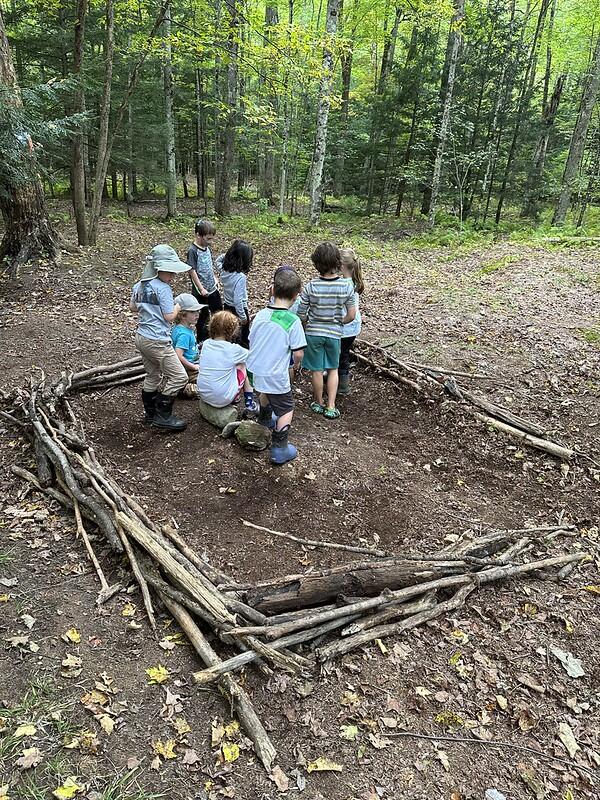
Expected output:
(152, 298)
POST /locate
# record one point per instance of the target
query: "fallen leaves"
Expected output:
(72, 666)
(30, 757)
(165, 749)
(158, 674)
(565, 734)
(25, 730)
(280, 779)
(348, 732)
(571, 665)
(323, 764)
(72, 635)
(69, 789)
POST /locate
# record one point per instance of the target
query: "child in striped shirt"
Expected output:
(326, 304)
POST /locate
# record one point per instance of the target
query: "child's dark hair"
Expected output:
(204, 227)
(352, 263)
(286, 284)
(239, 257)
(223, 324)
(326, 258)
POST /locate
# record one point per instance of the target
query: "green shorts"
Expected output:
(321, 353)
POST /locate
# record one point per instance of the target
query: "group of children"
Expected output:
(214, 341)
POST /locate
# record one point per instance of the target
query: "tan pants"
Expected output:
(164, 371)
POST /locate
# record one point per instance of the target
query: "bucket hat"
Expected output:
(187, 302)
(162, 258)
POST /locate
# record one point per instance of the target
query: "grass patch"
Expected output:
(590, 335)
(5, 558)
(496, 264)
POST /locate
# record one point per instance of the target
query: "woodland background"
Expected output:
(472, 114)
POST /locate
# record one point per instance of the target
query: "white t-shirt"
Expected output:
(275, 333)
(217, 376)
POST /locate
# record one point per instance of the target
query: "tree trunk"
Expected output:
(287, 114)
(577, 145)
(28, 232)
(266, 188)
(338, 178)
(323, 112)
(77, 143)
(455, 35)
(167, 68)
(114, 184)
(228, 125)
(200, 158)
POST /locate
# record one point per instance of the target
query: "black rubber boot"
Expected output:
(149, 401)
(281, 450)
(265, 417)
(344, 384)
(164, 417)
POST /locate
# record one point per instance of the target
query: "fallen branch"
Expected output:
(316, 543)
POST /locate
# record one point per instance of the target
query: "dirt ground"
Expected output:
(394, 471)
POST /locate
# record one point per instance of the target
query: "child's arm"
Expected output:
(350, 308)
(240, 298)
(298, 356)
(303, 307)
(189, 365)
(197, 282)
(170, 315)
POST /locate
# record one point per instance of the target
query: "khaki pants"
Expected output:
(164, 371)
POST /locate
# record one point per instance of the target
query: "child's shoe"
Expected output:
(148, 399)
(250, 404)
(164, 417)
(281, 450)
(266, 417)
(344, 387)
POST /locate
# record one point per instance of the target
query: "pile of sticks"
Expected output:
(441, 383)
(293, 623)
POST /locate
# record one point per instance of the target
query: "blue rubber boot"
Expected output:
(281, 450)
(267, 418)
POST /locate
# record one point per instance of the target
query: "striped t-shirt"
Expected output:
(324, 303)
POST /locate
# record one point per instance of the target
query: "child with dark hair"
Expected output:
(222, 373)
(276, 334)
(235, 265)
(326, 305)
(352, 270)
(202, 275)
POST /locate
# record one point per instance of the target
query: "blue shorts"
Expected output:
(321, 353)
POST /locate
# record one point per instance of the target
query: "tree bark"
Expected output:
(28, 232)
(228, 124)
(455, 38)
(323, 113)
(77, 143)
(167, 69)
(287, 122)
(577, 145)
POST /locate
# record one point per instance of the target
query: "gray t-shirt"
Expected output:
(235, 292)
(153, 299)
(201, 261)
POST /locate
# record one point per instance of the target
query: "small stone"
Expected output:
(219, 417)
(253, 436)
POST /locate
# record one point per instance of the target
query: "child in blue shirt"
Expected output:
(202, 276)
(275, 334)
(183, 337)
(351, 270)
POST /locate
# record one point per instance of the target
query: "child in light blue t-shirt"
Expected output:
(351, 269)
(183, 336)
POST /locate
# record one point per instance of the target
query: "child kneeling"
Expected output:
(275, 333)
(222, 366)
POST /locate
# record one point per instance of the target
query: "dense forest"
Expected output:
(469, 110)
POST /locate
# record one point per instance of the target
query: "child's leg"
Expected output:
(317, 386)
(285, 420)
(332, 387)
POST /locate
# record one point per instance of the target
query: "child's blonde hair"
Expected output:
(223, 325)
(352, 263)
(181, 314)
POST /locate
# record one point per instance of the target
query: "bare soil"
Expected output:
(394, 471)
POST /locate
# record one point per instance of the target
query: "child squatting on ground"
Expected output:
(202, 276)
(275, 334)
(183, 338)
(152, 298)
(352, 270)
(222, 373)
(234, 266)
(326, 305)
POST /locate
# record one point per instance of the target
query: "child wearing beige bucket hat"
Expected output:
(152, 298)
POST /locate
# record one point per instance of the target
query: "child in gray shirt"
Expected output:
(235, 265)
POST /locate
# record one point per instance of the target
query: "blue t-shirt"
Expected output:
(353, 328)
(185, 338)
(153, 299)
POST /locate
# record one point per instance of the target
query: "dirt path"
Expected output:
(394, 471)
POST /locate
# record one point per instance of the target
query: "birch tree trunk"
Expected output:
(167, 69)
(77, 154)
(287, 119)
(223, 180)
(455, 34)
(577, 145)
(28, 231)
(323, 112)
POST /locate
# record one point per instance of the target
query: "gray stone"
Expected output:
(219, 417)
(252, 436)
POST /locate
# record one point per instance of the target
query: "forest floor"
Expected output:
(394, 470)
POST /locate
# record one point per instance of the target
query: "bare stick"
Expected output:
(343, 646)
(388, 613)
(556, 450)
(239, 698)
(314, 543)
(215, 574)
(88, 546)
(390, 373)
(86, 373)
(139, 577)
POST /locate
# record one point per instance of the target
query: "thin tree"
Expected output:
(167, 69)
(228, 125)
(453, 48)
(28, 232)
(577, 145)
(77, 143)
(323, 112)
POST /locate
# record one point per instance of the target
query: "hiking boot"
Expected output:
(164, 417)
(266, 418)
(281, 450)
(148, 399)
(344, 387)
